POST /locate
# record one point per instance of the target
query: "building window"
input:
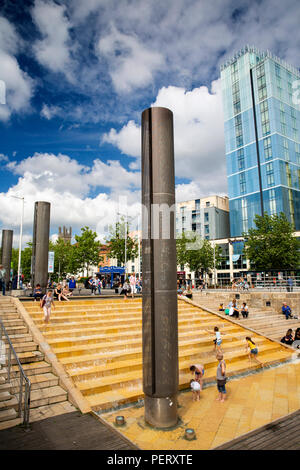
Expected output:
(277, 70)
(206, 229)
(207, 204)
(268, 148)
(266, 128)
(286, 153)
(197, 204)
(260, 70)
(270, 174)
(272, 201)
(242, 183)
(206, 217)
(241, 159)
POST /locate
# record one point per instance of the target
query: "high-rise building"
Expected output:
(208, 217)
(262, 123)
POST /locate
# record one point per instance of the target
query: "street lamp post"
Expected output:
(20, 240)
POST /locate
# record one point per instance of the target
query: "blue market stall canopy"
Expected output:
(112, 270)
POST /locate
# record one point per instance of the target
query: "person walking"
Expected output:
(252, 350)
(132, 281)
(221, 378)
(2, 279)
(46, 303)
(99, 285)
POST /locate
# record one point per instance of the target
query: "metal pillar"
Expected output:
(6, 249)
(160, 325)
(40, 245)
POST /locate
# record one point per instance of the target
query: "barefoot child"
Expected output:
(199, 372)
(221, 378)
(195, 386)
(253, 351)
(217, 340)
(46, 303)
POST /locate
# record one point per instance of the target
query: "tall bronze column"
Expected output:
(40, 244)
(6, 249)
(160, 326)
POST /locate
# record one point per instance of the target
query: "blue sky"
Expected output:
(79, 73)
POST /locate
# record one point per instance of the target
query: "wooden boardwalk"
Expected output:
(282, 434)
(71, 431)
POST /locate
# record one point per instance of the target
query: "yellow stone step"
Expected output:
(127, 394)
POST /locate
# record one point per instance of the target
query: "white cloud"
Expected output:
(198, 135)
(48, 112)
(127, 139)
(18, 85)
(53, 50)
(131, 64)
(3, 158)
(66, 185)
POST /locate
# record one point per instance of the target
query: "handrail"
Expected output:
(23, 376)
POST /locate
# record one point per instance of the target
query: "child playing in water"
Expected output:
(217, 340)
(253, 351)
(195, 386)
(199, 372)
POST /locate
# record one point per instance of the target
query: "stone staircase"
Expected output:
(44, 384)
(99, 343)
(265, 320)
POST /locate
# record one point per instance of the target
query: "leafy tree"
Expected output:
(86, 250)
(26, 255)
(63, 254)
(197, 253)
(271, 245)
(116, 240)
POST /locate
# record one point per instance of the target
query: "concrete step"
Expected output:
(37, 382)
(133, 392)
(24, 347)
(47, 396)
(29, 357)
(14, 330)
(30, 369)
(20, 338)
(11, 403)
(7, 415)
(5, 395)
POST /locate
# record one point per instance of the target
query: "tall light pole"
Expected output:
(20, 240)
(125, 233)
(214, 264)
(139, 247)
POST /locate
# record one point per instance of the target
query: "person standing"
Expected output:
(221, 377)
(290, 283)
(72, 284)
(2, 279)
(198, 369)
(99, 285)
(46, 303)
(132, 281)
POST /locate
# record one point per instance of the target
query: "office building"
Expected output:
(262, 120)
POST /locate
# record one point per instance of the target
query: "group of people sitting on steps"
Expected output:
(233, 311)
(292, 339)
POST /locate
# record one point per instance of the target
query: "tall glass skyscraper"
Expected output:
(262, 124)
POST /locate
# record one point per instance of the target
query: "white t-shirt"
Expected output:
(218, 335)
(195, 386)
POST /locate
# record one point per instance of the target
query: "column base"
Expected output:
(161, 412)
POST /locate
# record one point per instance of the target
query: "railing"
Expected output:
(23, 378)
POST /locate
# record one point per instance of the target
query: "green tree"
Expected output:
(26, 255)
(271, 245)
(63, 254)
(197, 253)
(86, 250)
(116, 239)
